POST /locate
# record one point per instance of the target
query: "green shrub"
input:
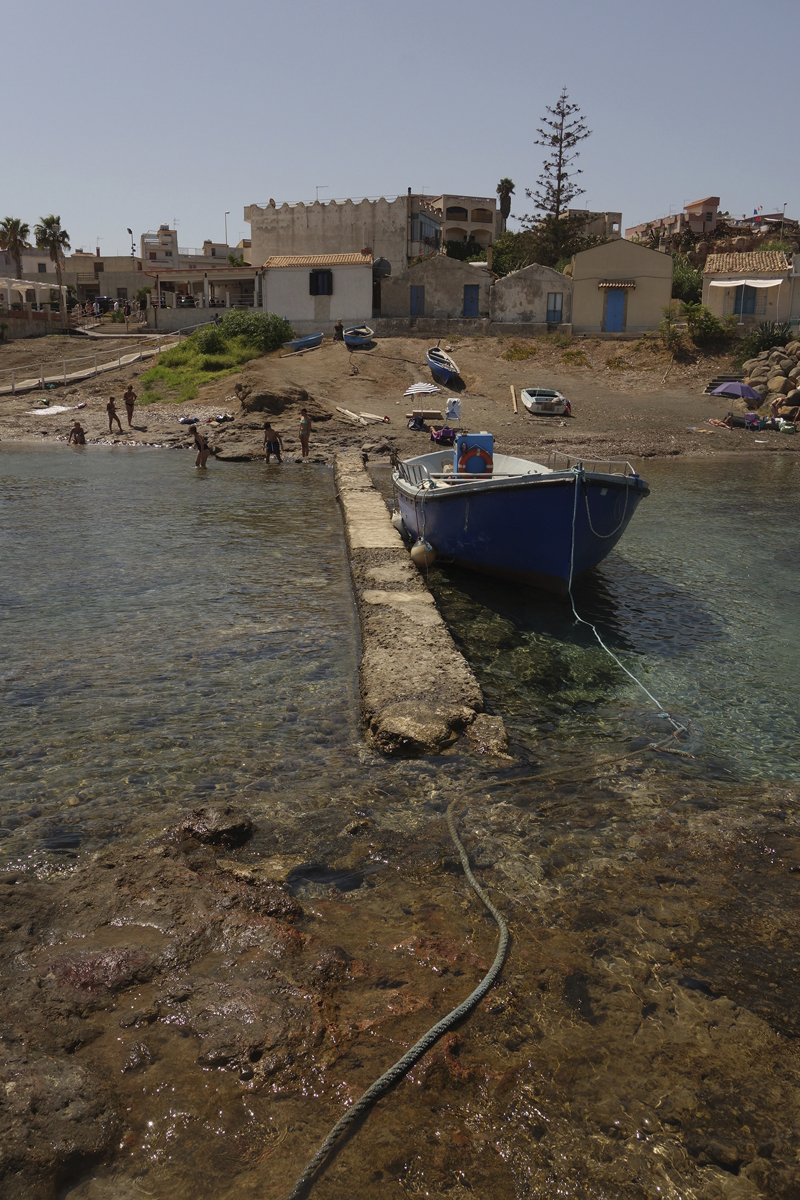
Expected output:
(264, 331)
(617, 363)
(706, 330)
(211, 362)
(687, 281)
(766, 337)
(210, 340)
(518, 353)
(576, 358)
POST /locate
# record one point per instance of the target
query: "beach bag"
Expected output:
(416, 424)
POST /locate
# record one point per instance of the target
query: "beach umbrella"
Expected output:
(735, 388)
(417, 389)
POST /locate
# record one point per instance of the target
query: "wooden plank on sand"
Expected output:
(513, 397)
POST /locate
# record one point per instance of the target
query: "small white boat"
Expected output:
(545, 402)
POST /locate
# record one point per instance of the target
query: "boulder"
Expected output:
(778, 384)
(217, 825)
(795, 372)
(793, 397)
(488, 734)
(275, 401)
(792, 348)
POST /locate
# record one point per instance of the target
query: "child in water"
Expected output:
(273, 442)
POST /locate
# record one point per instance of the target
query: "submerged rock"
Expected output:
(217, 825)
(488, 734)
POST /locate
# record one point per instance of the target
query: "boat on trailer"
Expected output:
(359, 335)
(532, 523)
(545, 402)
(441, 364)
(309, 342)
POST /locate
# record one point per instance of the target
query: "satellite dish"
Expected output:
(381, 268)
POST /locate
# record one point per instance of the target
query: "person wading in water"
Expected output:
(201, 441)
(273, 442)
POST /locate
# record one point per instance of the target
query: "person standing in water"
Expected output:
(129, 399)
(273, 442)
(203, 451)
(305, 431)
(113, 415)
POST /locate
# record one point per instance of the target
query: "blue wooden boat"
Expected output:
(513, 518)
(441, 364)
(309, 342)
(359, 335)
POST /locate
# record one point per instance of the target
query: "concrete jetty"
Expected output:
(417, 690)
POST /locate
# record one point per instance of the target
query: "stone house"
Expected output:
(396, 230)
(755, 286)
(534, 294)
(620, 287)
(438, 287)
(313, 291)
(700, 216)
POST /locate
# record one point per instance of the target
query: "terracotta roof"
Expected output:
(617, 283)
(746, 264)
(319, 260)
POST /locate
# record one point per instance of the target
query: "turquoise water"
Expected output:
(701, 601)
(168, 634)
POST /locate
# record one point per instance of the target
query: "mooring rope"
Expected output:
(578, 473)
(404, 1065)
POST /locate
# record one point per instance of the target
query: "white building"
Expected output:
(313, 291)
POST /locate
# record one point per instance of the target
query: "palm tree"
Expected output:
(505, 189)
(14, 238)
(51, 237)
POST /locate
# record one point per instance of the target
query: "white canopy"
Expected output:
(754, 283)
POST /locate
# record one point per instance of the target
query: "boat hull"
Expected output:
(353, 339)
(446, 371)
(304, 343)
(523, 530)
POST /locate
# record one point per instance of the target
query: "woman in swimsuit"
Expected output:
(77, 435)
(203, 451)
(305, 431)
(129, 399)
(113, 415)
(273, 442)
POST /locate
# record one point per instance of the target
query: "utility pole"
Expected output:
(227, 214)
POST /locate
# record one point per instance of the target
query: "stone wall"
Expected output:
(22, 324)
(331, 228)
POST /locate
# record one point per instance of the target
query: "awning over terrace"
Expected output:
(754, 283)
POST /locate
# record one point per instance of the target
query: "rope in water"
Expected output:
(404, 1065)
(578, 473)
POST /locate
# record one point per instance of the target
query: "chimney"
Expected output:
(97, 252)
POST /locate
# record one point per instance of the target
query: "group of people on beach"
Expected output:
(273, 442)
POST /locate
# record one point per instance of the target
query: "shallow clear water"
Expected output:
(167, 633)
(171, 636)
(701, 602)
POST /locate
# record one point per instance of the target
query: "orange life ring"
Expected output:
(476, 452)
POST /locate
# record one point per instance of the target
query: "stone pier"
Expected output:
(417, 690)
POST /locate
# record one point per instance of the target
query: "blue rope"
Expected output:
(404, 1065)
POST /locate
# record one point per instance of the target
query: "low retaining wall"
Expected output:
(29, 324)
(417, 690)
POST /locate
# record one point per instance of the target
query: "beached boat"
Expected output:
(514, 518)
(309, 342)
(545, 401)
(359, 335)
(441, 364)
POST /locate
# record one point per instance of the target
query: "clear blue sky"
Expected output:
(135, 114)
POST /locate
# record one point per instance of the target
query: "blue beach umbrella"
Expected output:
(737, 389)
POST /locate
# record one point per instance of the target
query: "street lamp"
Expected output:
(227, 214)
(133, 247)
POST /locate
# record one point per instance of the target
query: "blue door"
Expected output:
(418, 302)
(471, 293)
(615, 310)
